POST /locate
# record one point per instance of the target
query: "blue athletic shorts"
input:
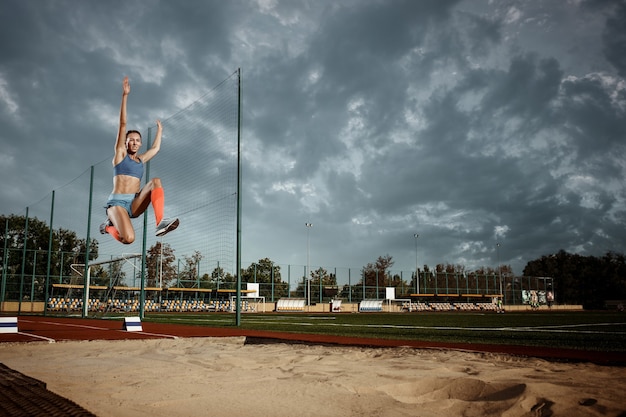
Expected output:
(122, 200)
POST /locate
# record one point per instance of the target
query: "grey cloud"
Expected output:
(526, 89)
(614, 38)
(374, 120)
(594, 119)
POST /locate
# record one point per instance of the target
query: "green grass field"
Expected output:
(598, 331)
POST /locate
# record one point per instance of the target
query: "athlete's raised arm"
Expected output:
(156, 145)
(120, 143)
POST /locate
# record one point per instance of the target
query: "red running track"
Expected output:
(55, 329)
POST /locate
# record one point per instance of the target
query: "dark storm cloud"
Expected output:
(614, 38)
(598, 124)
(469, 123)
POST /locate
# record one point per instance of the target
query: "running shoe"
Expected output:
(103, 226)
(166, 226)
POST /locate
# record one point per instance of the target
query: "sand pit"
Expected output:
(225, 376)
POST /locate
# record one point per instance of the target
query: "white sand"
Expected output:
(225, 377)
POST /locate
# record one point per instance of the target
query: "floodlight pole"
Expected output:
(308, 279)
(5, 260)
(238, 244)
(161, 271)
(499, 269)
(45, 310)
(85, 310)
(144, 245)
(417, 274)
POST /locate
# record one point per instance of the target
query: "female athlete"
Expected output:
(128, 200)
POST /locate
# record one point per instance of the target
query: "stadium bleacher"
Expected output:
(131, 305)
(56, 304)
(291, 304)
(371, 305)
(446, 306)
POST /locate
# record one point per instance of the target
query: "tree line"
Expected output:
(578, 279)
(586, 280)
(66, 249)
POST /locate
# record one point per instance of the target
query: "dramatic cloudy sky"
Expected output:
(470, 123)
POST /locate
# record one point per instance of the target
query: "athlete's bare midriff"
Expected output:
(126, 184)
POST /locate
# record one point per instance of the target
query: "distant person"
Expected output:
(550, 299)
(534, 300)
(499, 308)
(128, 200)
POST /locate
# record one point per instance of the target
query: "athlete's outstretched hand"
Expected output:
(126, 86)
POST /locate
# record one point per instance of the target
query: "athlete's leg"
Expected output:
(153, 193)
(121, 228)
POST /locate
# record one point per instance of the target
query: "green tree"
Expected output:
(66, 247)
(374, 276)
(108, 274)
(586, 280)
(188, 277)
(160, 260)
(220, 278)
(320, 278)
(613, 267)
(266, 273)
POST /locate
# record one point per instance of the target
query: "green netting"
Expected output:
(197, 165)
